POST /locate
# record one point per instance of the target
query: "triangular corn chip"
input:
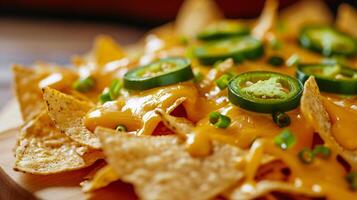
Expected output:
(267, 19)
(43, 149)
(315, 113)
(304, 12)
(347, 19)
(194, 15)
(27, 91)
(68, 114)
(160, 167)
(105, 50)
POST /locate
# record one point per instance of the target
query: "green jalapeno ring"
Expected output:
(237, 48)
(325, 77)
(159, 73)
(327, 41)
(248, 101)
(223, 29)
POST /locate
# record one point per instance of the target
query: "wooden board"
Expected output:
(17, 185)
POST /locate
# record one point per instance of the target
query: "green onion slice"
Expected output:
(306, 155)
(281, 119)
(330, 78)
(285, 139)
(104, 97)
(219, 120)
(159, 73)
(265, 92)
(222, 82)
(322, 151)
(352, 180)
(114, 89)
(121, 128)
(276, 61)
(84, 84)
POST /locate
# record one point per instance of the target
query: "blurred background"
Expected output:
(54, 30)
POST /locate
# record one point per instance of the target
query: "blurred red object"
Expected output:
(143, 10)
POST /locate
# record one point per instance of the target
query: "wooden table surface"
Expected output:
(25, 41)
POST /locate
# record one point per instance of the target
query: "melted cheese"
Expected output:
(344, 120)
(140, 108)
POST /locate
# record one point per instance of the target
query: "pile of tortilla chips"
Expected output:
(55, 139)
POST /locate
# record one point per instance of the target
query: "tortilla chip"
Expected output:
(160, 168)
(43, 149)
(347, 19)
(266, 20)
(106, 50)
(302, 13)
(102, 178)
(315, 113)
(29, 81)
(178, 125)
(28, 93)
(68, 115)
(194, 15)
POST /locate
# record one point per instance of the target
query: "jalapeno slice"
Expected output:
(265, 92)
(159, 73)
(238, 48)
(223, 29)
(330, 78)
(327, 41)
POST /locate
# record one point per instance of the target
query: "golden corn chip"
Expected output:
(267, 20)
(105, 50)
(68, 114)
(27, 91)
(315, 113)
(160, 167)
(347, 19)
(302, 13)
(29, 81)
(194, 15)
(102, 178)
(44, 149)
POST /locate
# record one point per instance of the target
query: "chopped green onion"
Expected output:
(198, 77)
(275, 44)
(281, 119)
(292, 60)
(105, 96)
(219, 120)
(276, 61)
(222, 82)
(306, 155)
(322, 151)
(183, 40)
(352, 180)
(121, 128)
(114, 89)
(285, 139)
(111, 93)
(84, 85)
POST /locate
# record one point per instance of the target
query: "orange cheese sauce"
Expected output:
(343, 115)
(137, 111)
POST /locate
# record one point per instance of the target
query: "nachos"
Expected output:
(204, 108)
